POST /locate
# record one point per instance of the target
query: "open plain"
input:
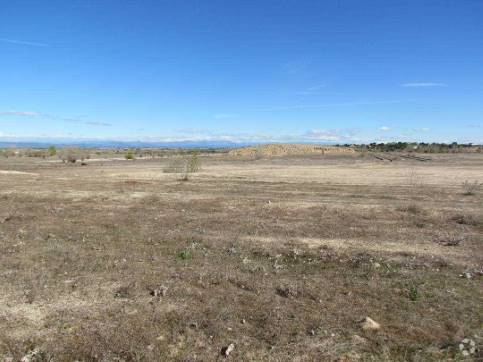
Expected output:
(283, 257)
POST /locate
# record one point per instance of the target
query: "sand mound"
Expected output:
(287, 149)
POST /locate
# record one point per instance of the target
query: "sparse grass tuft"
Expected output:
(185, 254)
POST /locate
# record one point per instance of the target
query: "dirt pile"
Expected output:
(287, 150)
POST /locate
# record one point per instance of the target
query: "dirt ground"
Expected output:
(282, 257)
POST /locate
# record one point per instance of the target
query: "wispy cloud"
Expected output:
(311, 90)
(343, 104)
(53, 117)
(20, 113)
(474, 125)
(98, 124)
(384, 128)
(422, 129)
(423, 84)
(22, 42)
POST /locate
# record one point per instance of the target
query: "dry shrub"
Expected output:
(465, 219)
(470, 188)
(450, 238)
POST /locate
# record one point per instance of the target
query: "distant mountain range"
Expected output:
(122, 144)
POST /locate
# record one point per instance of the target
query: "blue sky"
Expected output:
(283, 71)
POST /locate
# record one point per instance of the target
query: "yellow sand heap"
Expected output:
(287, 149)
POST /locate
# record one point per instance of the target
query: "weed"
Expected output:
(414, 294)
(185, 255)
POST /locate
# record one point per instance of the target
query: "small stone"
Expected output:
(377, 265)
(356, 339)
(465, 341)
(243, 321)
(472, 350)
(461, 346)
(465, 353)
(472, 343)
(225, 351)
(369, 324)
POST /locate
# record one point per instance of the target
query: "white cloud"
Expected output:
(100, 124)
(320, 135)
(423, 84)
(20, 113)
(384, 129)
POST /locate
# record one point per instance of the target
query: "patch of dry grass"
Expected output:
(284, 280)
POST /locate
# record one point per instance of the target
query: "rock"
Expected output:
(467, 347)
(377, 265)
(31, 356)
(369, 324)
(225, 351)
(356, 339)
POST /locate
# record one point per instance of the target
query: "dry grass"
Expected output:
(284, 269)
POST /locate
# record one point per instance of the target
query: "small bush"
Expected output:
(129, 155)
(194, 163)
(470, 188)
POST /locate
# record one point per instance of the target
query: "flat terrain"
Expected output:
(283, 257)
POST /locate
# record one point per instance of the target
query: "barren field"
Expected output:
(282, 257)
